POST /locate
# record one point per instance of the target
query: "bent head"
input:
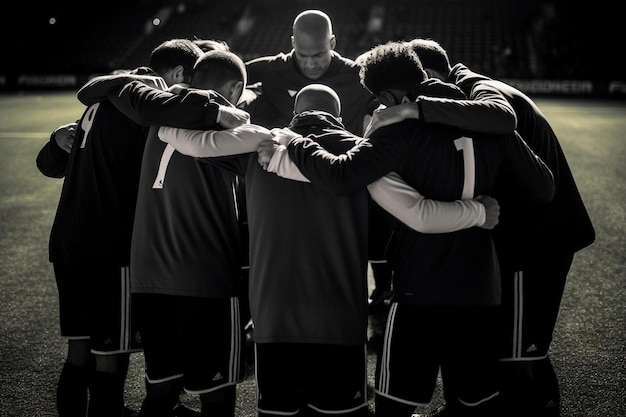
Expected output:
(433, 57)
(392, 72)
(317, 97)
(313, 42)
(221, 71)
(211, 44)
(174, 59)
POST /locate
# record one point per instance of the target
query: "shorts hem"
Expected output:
(400, 400)
(212, 389)
(481, 401)
(278, 413)
(524, 358)
(114, 352)
(161, 380)
(342, 411)
(77, 337)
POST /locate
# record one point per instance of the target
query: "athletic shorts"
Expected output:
(73, 302)
(530, 306)
(196, 339)
(330, 379)
(420, 341)
(94, 303)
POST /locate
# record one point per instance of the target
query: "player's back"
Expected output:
(308, 260)
(95, 215)
(565, 222)
(442, 163)
(524, 228)
(185, 236)
(450, 268)
(445, 163)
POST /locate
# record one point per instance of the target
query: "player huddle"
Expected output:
(203, 195)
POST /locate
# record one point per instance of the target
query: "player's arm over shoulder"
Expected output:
(215, 143)
(149, 106)
(98, 88)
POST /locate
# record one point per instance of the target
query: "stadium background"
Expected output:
(542, 46)
(548, 49)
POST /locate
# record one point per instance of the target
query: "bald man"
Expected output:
(318, 97)
(308, 271)
(276, 79)
(273, 82)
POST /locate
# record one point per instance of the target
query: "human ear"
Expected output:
(178, 74)
(236, 90)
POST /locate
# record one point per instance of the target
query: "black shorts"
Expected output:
(196, 339)
(420, 341)
(73, 301)
(530, 306)
(330, 379)
(94, 303)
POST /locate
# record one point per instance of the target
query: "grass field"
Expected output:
(589, 350)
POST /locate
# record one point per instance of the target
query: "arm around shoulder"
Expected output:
(487, 111)
(424, 215)
(98, 88)
(215, 143)
(149, 106)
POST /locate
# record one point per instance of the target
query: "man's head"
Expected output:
(392, 72)
(211, 44)
(313, 41)
(220, 71)
(174, 59)
(433, 57)
(317, 97)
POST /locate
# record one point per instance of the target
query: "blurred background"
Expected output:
(568, 49)
(542, 46)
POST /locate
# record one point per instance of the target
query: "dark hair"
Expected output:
(215, 68)
(432, 55)
(174, 52)
(391, 65)
(211, 44)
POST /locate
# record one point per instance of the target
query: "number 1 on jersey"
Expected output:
(466, 146)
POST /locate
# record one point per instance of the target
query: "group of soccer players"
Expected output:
(165, 203)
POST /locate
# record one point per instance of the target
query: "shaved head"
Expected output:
(313, 42)
(314, 23)
(317, 97)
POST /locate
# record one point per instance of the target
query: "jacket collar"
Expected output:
(316, 118)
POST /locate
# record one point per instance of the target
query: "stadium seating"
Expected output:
(523, 39)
